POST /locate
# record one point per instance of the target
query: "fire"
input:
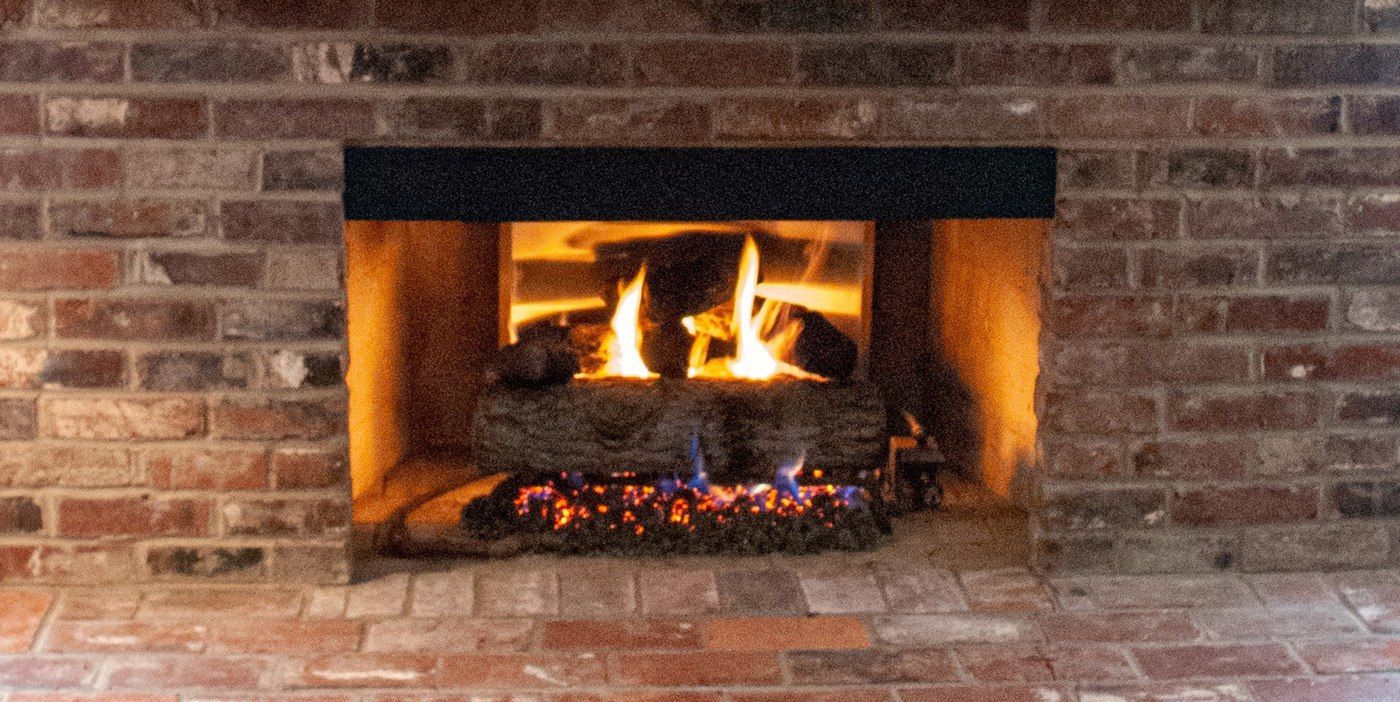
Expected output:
(751, 359)
(624, 346)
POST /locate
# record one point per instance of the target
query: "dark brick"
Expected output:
(568, 64)
(1095, 169)
(303, 170)
(627, 121)
(766, 591)
(567, 16)
(266, 419)
(1261, 313)
(1346, 362)
(19, 419)
(1246, 505)
(287, 517)
(1334, 263)
(514, 119)
(1266, 218)
(277, 221)
(1371, 408)
(1327, 64)
(148, 14)
(20, 515)
(309, 468)
(1116, 219)
(447, 119)
(1223, 411)
(45, 62)
(1378, 167)
(876, 64)
(956, 15)
(1084, 459)
(1037, 64)
(1199, 267)
(295, 119)
(1118, 15)
(1076, 553)
(307, 14)
(1375, 115)
(123, 117)
(1195, 459)
(453, 17)
(374, 63)
(712, 63)
(1101, 509)
(1365, 499)
(128, 219)
(1381, 17)
(222, 62)
(1077, 269)
(1173, 63)
(19, 221)
(1277, 117)
(790, 15)
(1119, 116)
(83, 369)
(1198, 168)
(1093, 412)
(134, 320)
(205, 561)
(283, 320)
(212, 269)
(194, 371)
(1146, 363)
(19, 114)
(1115, 315)
(1373, 215)
(796, 118)
(1315, 547)
(964, 117)
(1276, 17)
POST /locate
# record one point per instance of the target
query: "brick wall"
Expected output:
(1221, 390)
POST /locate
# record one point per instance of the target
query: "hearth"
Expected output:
(687, 350)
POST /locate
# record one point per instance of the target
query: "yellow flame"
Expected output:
(624, 347)
(751, 358)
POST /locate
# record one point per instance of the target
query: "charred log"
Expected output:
(823, 349)
(543, 357)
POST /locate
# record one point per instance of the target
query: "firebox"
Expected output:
(687, 349)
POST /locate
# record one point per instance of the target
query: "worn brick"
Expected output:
(1255, 313)
(677, 592)
(1267, 17)
(127, 636)
(21, 319)
(596, 594)
(282, 320)
(945, 629)
(1094, 169)
(1118, 15)
(1336, 64)
(45, 62)
(134, 320)
(1118, 116)
(303, 170)
(1244, 505)
(622, 634)
(53, 672)
(1315, 547)
(175, 371)
(709, 668)
(290, 370)
(1331, 167)
(450, 635)
(1177, 63)
(302, 269)
(873, 667)
(1369, 687)
(1095, 508)
(1276, 117)
(1199, 267)
(51, 269)
(1373, 215)
(285, 517)
(238, 418)
(1198, 459)
(1032, 64)
(712, 64)
(1084, 459)
(1242, 411)
(348, 62)
(1348, 362)
(1266, 218)
(628, 121)
(276, 221)
(1198, 168)
(295, 119)
(120, 418)
(20, 515)
(987, 693)
(68, 466)
(1216, 660)
(270, 14)
(244, 270)
(768, 591)
(795, 118)
(1088, 412)
(1083, 268)
(1372, 310)
(875, 64)
(207, 562)
(1351, 656)
(970, 117)
(154, 14)
(136, 516)
(507, 17)
(920, 590)
(552, 63)
(1115, 315)
(1115, 219)
(1333, 263)
(190, 169)
(842, 591)
(210, 61)
(199, 468)
(1135, 627)
(1117, 363)
(198, 672)
(128, 219)
(1364, 499)
(24, 169)
(1045, 663)
(124, 117)
(1371, 408)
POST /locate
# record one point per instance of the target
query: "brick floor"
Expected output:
(771, 629)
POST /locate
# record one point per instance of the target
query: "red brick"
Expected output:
(1114, 315)
(1045, 663)
(134, 320)
(61, 61)
(283, 636)
(1350, 362)
(1216, 660)
(126, 636)
(1101, 219)
(696, 669)
(283, 222)
(51, 269)
(1365, 688)
(313, 14)
(1200, 459)
(1321, 167)
(1294, 17)
(787, 633)
(57, 169)
(51, 672)
(242, 270)
(190, 169)
(359, 670)
(210, 61)
(454, 634)
(956, 16)
(1177, 64)
(1351, 656)
(872, 667)
(1261, 313)
(235, 418)
(712, 64)
(120, 417)
(19, 221)
(1118, 15)
(197, 672)
(132, 516)
(1374, 215)
(1260, 117)
(1036, 64)
(285, 517)
(629, 121)
(516, 670)
(124, 117)
(646, 633)
(1117, 363)
(508, 17)
(128, 219)
(1244, 505)
(309, 468)
(988, 693)
(1271, 218)
(1134, 627)
(964, 117)
(21, 613)
(206, 468)
(295, 119)
(812, 696)
(1084, 268)
(19, 114)
(1242, 411)
(867, 64)
(795, 118)
(17, 562)
(1118, 116)
(152, 14)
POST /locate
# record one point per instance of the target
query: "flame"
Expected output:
(751, 358)
(624, 345)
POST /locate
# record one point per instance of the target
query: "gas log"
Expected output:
(747, 429)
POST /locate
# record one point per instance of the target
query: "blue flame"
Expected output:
(785, 480)
(667, 485)
(574, 479)
(851, 495)
(700, 476)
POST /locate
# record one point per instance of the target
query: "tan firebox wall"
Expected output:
(986, 305)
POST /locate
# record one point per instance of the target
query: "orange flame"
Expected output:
(751, 357)
(624, 345)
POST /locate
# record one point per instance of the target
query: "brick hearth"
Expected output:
(1219, 375)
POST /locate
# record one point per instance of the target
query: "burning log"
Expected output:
(544, 356)
(823, 349)
(747, 428)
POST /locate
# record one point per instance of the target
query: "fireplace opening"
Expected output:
(662, 386)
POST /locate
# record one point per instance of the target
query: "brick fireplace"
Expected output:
(1217, 378)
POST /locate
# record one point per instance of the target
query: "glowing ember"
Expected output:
(624, 345)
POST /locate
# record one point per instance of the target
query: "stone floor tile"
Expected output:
(506, 593)
(362, 670)
(921, 590)
(1216, 661)
(1377, 605)
(1046, 663)
(1292, 589)
(622, 634)
(944, 629)
(1005, 590)
(1164, 692)
(108, 697)
(987, 693)
(1114, 626)
(384, 596)
(677, 592)
(452, 635)
(211, 603)
(21, 613)
(326, 602)
(1360, 688)
(872, 667)
(147, 672)
(788, 633)
(446, 594)
(851, 592)
(475, 671)
(126, 636)
(760, 591)
(46, 672)
(1351, 655)
(297, 636)
(697, 669)
(1153, 592)
(812, 696)
(104, 604)
(1316, 620)
(596, 593)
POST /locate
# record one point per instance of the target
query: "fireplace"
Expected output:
(687, 350)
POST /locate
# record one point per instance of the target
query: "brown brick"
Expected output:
(303, 170)
(1175, 63)
(190, 169)
(61, 368)
(1094, 169)
(1332, 167)
(343, 62)
(46, 62)
(1195, 459)
(1118, 15)
(207, 562)
(68, 466)
(760, 591)
(447, 119)
(1089, 412)
(1079, 509)
(1116, 315)
(281, 320)
(187, 371)
(635, 121)
(277, 221)
(1276, 117)
(1361, 500)
(311, 563)
(273, 14)
(1276, 17)
(970, 117)
(956, 16)
(583, 634)
(18, 418)
(135, 516)
(303, 270)
(292, 369)
(1268, 218)
(120, 418)
(1369, 408)
(181, 268)
(309, 468)
(1216, 660)
(787, 633)
(1098, 268)
(566, 64)
(1375, 115)
(798, 118)
(1198, 168)
(876, 667)
(876, 64)
(19, 221)
(1348, 362)
(1199, 267)
(58, 169)
(213, 62)
(128, 219)
(1224, 411)
(1338, 546)
(1036, 64)
(151, 14)
(285, 517)
(1244, 505)
(253, 419)
(1334, 263)
(57, 269)
(1084, 459)
(134, 320)
(1119, 116)
(506, 17)
(712, 63)
(1373, 310)
(199, 672)
(709, 668)
(1259, 313)
(1373, 215)
(19, 114)
(125, 117)
(1120, 363)
(20, 515)
(200, 468)
(295, 119)
(790, 15)
(1114, 219)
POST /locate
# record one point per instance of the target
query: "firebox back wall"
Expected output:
(1219, 381)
